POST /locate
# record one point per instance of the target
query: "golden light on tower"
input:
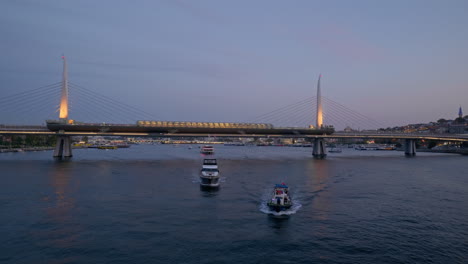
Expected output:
(63, 113)
(319, 105)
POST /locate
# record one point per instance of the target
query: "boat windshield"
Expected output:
(209, 162)
(210, 170)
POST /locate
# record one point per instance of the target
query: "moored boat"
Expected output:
(107, 147)
(209, 174)
(280, 200)
(386, 147)
(335, 150)
(366, 147)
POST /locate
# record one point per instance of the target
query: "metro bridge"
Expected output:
(65, 128)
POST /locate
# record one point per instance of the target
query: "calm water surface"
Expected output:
(144, 205)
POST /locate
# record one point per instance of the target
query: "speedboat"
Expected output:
(207, 149)
(280, 200)
(209, 174)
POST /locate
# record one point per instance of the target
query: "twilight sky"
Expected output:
(398, 62)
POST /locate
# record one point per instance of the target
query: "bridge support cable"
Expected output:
(319, 150)
(351, 114)
(89, 112)
(116, 105)
(22, 99)
(410, 147)
(291, 117)
(339, 119)
(306, 117)
(91, 109)
(29, 92)
(302, 114)
(31, 106)
(347, 109)
(285, 113)
(300, 117)
(95, 110)
(279, 110)
(63, 147)
(346, 116)
(98, 109)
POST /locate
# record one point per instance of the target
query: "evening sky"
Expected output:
(398, 62)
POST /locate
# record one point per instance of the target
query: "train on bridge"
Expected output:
(176, 127)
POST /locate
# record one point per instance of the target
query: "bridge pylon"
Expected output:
(319, 151)
(410, 147)
(63, 145)
(319, 116)
(63, 114)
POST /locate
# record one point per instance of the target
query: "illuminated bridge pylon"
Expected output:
(64, 97)
(63, 146)
(319, 150)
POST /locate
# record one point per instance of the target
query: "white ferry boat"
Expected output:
(366, 147)
(207, 149)
(209, 174)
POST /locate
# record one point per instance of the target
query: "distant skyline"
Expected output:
(397, 62)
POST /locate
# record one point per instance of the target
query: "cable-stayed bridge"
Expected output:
(105, 116)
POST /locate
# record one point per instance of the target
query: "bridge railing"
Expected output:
(21, 127)
(400, 134)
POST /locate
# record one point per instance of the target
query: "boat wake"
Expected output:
(294, 208)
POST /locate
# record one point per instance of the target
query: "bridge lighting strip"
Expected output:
(460, 138)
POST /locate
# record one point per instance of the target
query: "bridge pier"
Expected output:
(410, 147)
(319, 151)
(63, 147)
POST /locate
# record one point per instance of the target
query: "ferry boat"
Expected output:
(209, 174)
(366, 147)
(280, 200)
(208, 150)
(386, 147)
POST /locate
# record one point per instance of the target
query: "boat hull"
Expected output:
(279, 208)
(209, 181)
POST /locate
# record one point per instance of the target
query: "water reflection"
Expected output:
(60, 228)
(318, 184)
